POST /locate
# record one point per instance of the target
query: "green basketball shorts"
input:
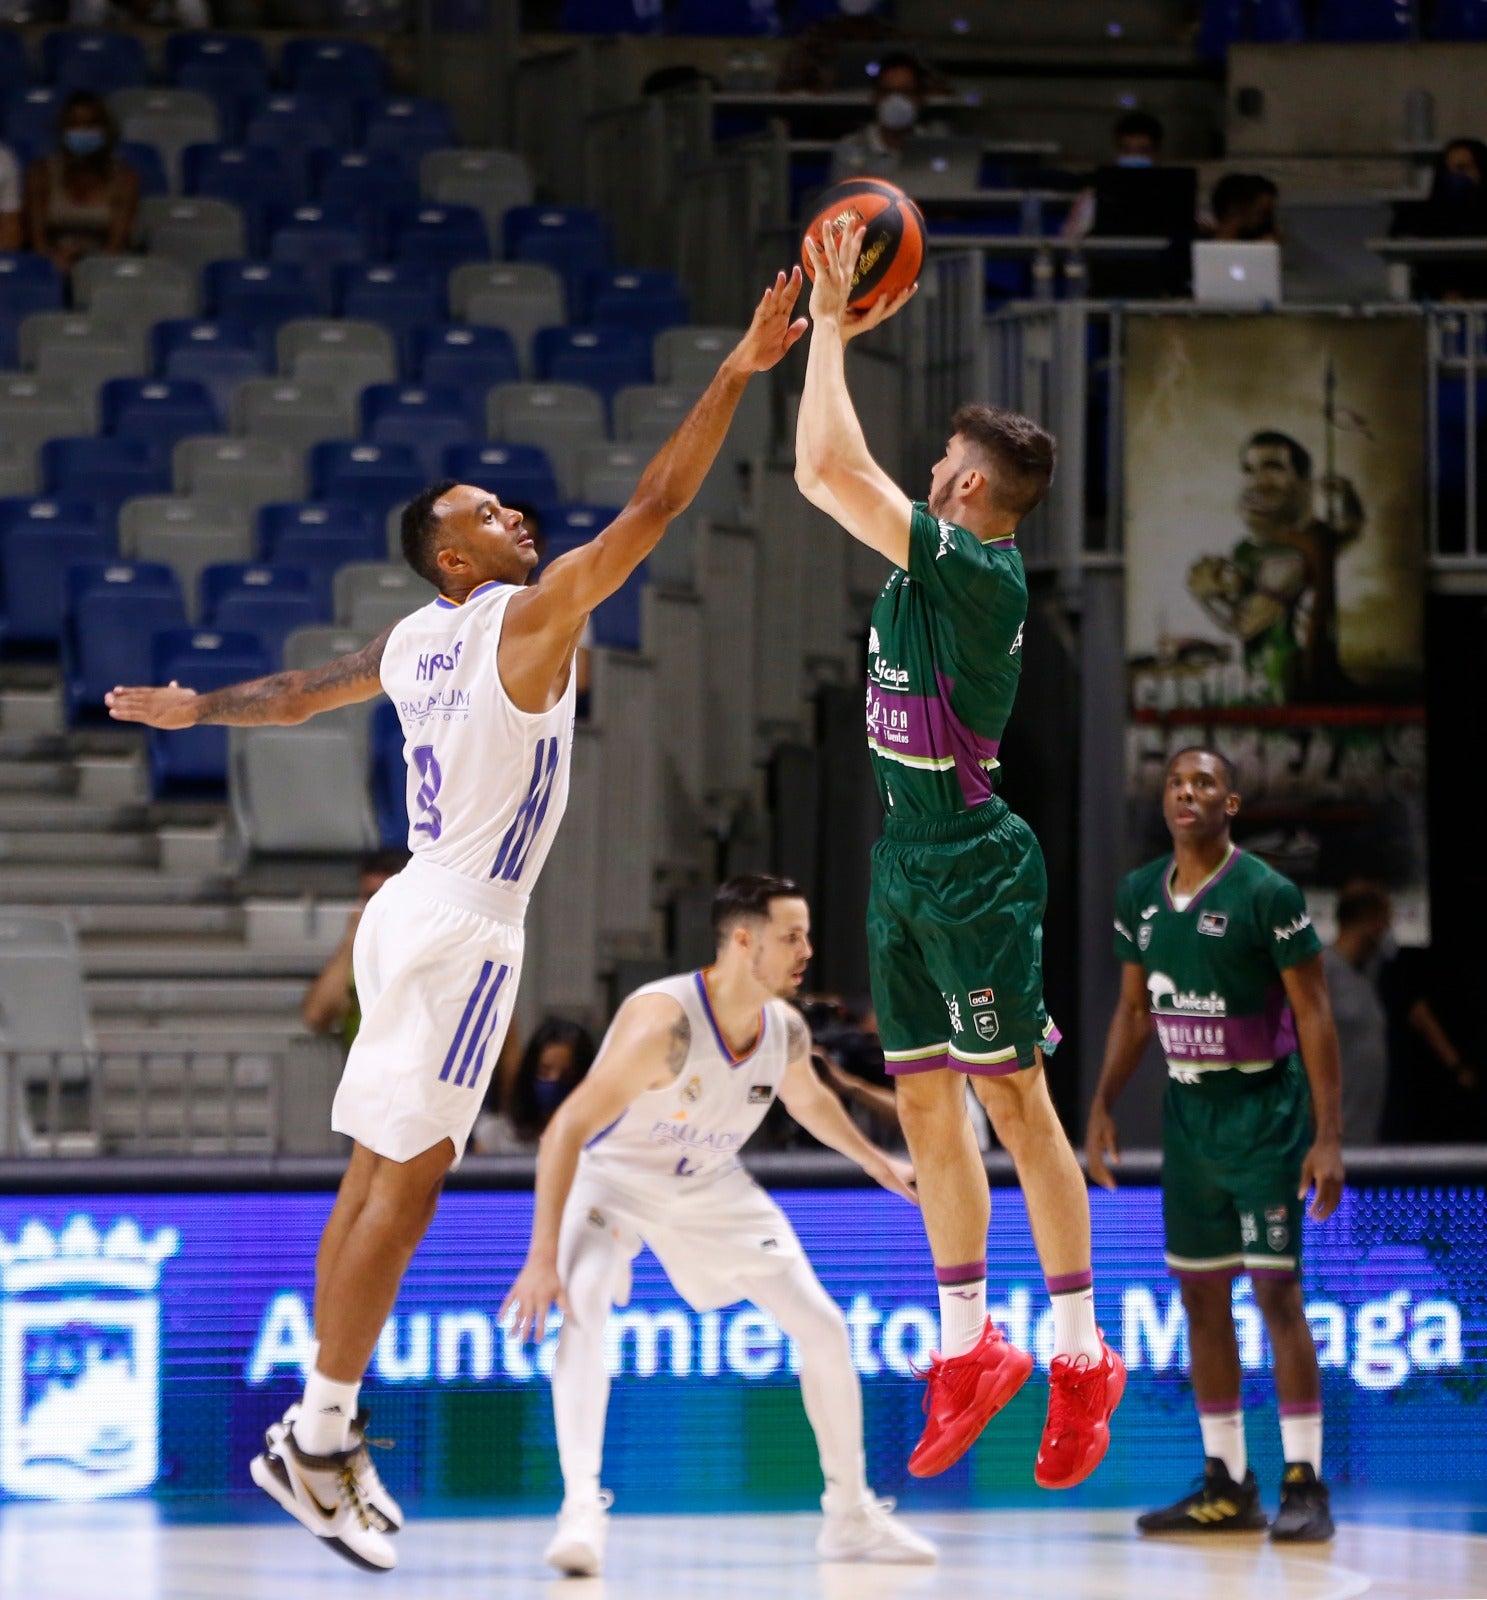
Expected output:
(1232, 1150)
(955, 942)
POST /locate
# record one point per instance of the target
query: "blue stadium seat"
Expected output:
(194, 760)
(317, 539)
(389, 776)
(253, 177)
(105, 472)
(333, 66)
(405, 299)
(429, 421)
(373, 477)
(262, 295)
(114, 611)
(1365, 21)
(372, 181)
(231, 69)
(39, 537)
(605, 359)
(159, 412)
(611, 16)
(573, 240)
(82, 58)
(14, 68)
(410, 127)
(1460, 19)
(148, 165)
(268, 601)
(439, 236)
(27, 283)
(469, 359)
(318, 239)
(218, 355)
(617, 620)
(727, 18)
(30, 121)
(518, 474)
(297, 126)
(643, 298)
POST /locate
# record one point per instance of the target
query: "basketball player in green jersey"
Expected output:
(958, 885)
(1218, 954)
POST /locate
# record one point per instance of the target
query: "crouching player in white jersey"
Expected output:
(483, 681)
(645, 1151)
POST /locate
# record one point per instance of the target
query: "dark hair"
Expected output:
(1022, 453)
(1236, 190)
(750, 895)
(526, 1116)
(1361, 902)
(1269, 438)
(81, 99)
(1139, 125)
(420, 527)
(1231, 775)
(903, 60)
(384, 863)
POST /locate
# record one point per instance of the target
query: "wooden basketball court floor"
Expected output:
(128, 1551)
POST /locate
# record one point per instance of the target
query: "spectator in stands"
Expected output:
(1434, 1092)
(1244, 208)
(1137, 137)
(556, 1060)
(899, 93)
(848, 1054)
(583, 662)
(330, 1005)
(81, 199)
(1456, 208)
(11, 231)
(1351, 963)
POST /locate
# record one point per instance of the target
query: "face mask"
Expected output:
(1131, 159)
(1460, 183)
(83, 141)
(897, 112)
(550, 1094)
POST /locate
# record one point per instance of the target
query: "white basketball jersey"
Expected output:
(696, 1125)
(487, 783)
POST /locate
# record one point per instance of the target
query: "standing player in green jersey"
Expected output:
(1219, 955)
(955, 916)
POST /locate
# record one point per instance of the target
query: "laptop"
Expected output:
(933, 165)
(1226, 274)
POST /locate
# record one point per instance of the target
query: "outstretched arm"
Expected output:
(282, 699)
(645, 1049)
(821, 1114)
(833, 467)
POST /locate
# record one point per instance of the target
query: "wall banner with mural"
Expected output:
(1274, 536)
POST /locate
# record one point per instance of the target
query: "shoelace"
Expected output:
(351, 1494)
(1073, 1393)
(953, 1376)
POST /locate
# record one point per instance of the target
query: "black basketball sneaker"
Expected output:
(1217, 1505)
(1305, 1507)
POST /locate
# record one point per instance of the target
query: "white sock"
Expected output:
(1223, 1439)
(962, 1309)
(1074, 1330)
(323, 1427)
(1301, 1438)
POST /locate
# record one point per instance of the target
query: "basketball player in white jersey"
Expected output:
(645, 1151)
(482, 678)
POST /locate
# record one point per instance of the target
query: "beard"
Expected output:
(938, 500)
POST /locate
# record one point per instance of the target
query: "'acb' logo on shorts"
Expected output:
(986, 1023)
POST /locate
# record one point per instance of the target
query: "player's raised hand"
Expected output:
(156, 708)
(1101, 1145)
(868, 317)
(898, 1178)
(772, 331)
(833, 261)
(536, 1290)
(1322, 1175)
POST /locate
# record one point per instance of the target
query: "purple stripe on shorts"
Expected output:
(1237, 1270)
(1070, 1282)
(902, 1069)
(1218, 1408)
(966, 1272)
(1301, 1408)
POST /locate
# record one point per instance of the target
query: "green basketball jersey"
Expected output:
(944, 657)
(1213, 970)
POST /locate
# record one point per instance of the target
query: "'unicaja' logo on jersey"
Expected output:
(1166, 996)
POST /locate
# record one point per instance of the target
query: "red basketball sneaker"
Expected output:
(1082, 1397)
(962, 1394)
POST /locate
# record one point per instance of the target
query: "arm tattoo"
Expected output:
(799, 1037)
(678, 1043)
(288, 697)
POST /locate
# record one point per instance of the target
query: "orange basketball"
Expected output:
(893, 247)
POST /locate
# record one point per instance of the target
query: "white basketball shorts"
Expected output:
(437, 958)
(711, 1241)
